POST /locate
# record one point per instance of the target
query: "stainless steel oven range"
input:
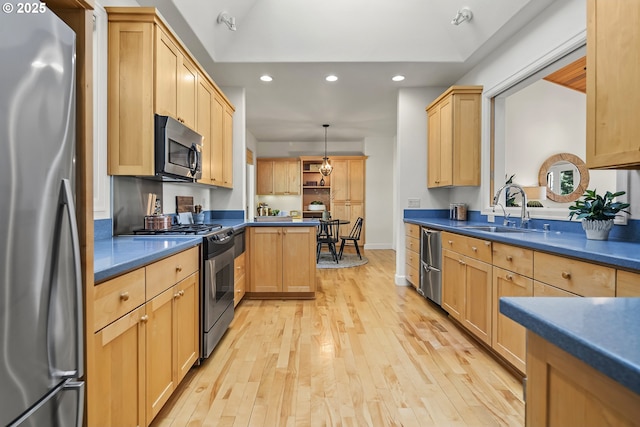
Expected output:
(217, 287)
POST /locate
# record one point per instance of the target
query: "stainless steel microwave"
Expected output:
(178, 150)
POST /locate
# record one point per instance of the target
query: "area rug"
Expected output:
(348, 260)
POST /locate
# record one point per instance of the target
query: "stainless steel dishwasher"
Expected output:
(431, 265)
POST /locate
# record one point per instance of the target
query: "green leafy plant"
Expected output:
(317, 202)
(594, 207)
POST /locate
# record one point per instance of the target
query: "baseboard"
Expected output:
(401, 280)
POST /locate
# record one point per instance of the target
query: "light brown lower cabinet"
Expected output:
(140, 357)
(564, 391)
(412, 254)
(282, 261)
(467, 292)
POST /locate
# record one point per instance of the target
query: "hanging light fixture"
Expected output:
(326, 167)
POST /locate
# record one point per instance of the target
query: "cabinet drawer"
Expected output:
(627, 284)
(412, 230)
(413, 259)
(578, 277)
(116, 297)
(413, 244)
(165, 273)
(544, 290)
(413, 275)
(513, 258)
(239, 265)
(469, 246)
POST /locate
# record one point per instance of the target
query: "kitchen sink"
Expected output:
(498, 229)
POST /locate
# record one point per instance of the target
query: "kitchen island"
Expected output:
(583, 359)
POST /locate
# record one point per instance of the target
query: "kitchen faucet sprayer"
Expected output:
(524, 214)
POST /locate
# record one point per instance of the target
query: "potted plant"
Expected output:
(597, 212)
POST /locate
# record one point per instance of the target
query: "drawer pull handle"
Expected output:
(566, 275)
(487, 243)
(144, 318)
(124, 296)
(181, 293)
(451, 242)
(509, 258)
(509, 277)
(474, 249)
(461, 262)
(178, 268)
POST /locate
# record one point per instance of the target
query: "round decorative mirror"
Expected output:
(566, 177)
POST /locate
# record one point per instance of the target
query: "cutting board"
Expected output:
(184, 204)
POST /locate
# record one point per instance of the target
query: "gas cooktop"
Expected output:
(180, 229)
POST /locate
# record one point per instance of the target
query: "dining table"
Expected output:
(322, 228)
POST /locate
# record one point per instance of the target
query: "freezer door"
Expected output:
(431, 283)
(63, 407)
(431, 250)
(39, 281)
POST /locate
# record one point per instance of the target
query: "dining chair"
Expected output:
(328, 235)
(353, 236)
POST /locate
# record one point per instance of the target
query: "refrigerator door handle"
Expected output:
(78, 387)
(66, 200)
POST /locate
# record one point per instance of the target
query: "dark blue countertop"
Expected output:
(118, 254)
(618, 253)
(602, 332)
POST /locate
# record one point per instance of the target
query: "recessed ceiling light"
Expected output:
(397, 78)
(331, 78)
(266, 78)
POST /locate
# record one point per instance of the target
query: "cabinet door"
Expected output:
(187, 90)
(509, 337)
(117, 392)
(239, 277)
(217, 139)
(168, 61)
(298, 259)
(613, 88)
(130, 88)
(627, 284)
(453, 283)
(266, 259)
(356, 181)
(187, 303)
(478, 299)
(203, 125)
(160, 351)
(340, 180)
(465, 139)
(265, 177)
(227, 148)
(293, 177)
(433, 148)
(543, 290)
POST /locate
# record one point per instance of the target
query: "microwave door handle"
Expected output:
(193, 160)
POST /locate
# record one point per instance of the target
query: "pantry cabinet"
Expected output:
(453, 138)
(282, 261)
(348, 190)
(149, 72)
(613, 87)
(147, 326)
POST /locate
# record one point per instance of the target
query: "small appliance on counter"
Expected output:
(458, 211)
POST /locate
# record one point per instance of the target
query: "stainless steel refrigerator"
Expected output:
(41, 328)
(431, 265)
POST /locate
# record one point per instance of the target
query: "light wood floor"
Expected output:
(363, 353)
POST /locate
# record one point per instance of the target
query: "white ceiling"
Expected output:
(363, 42)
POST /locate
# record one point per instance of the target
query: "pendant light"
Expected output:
(326, 167)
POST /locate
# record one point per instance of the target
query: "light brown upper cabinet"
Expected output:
(613, 87)
(278, 176)
(453, 138)
(150, 71)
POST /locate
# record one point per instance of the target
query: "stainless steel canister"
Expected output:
(458, 211)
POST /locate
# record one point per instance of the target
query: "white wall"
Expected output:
(379, 192)
(411, 161)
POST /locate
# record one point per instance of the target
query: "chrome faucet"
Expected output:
(524, 215)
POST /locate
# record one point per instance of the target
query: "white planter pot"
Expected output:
(317, 207)
(597, 229)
